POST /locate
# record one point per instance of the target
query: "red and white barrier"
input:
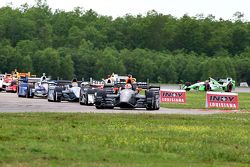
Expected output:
(172, 96)
(222, 100)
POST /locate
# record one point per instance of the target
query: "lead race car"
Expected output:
(211, 84)
(129, 97)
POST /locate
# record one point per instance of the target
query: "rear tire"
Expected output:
(56, 97)
(31, 95)
(27, 92)
(207, 87)
(86, 99)
(229, 87)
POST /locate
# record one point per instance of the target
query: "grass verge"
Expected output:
(196, 100)
(64, 139)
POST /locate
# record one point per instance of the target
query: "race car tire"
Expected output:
(80, 98)
(99, 107)
(50, 100)
(150, 100)
(80, 102)
(30, 94)
(187, 84)
(86, 99)
(56, 97)
(157, 103)
(229, 87)
(27, 93)
(109, 107)
(207, 87)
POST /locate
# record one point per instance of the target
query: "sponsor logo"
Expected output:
(222, 100)
(173, 96)
(222, 105)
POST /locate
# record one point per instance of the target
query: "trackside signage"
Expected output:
(173, 96)
(222, 100)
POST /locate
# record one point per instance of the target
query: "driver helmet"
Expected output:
(128, 86)
(74, 84)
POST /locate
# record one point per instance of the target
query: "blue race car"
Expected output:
(25, 90)
(26, 87)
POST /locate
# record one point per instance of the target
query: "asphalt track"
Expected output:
(10, 102)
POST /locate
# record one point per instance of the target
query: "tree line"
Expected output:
(161, 48)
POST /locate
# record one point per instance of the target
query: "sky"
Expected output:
(115, 8)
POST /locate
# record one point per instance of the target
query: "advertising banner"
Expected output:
(222, 100)
(173, 96)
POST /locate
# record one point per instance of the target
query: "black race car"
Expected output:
(88, 91)
(128, 96)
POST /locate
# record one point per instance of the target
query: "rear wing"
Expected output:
(119, 84)
(154, 87)
(33, 80)
(96, 82)
(28, 80)
(52, 83)
(142, 85)
(61, 82)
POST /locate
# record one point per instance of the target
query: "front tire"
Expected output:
(150, 100)
(99, 107)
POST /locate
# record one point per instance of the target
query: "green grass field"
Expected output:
(75, 139)
(196, 100)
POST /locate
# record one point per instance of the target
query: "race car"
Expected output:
(129, 97)
(25, 86)
(5, 81)
(64, 91)
(1, 82)
(211, 84)
(41, 87)
(12, 87)
(88, 90)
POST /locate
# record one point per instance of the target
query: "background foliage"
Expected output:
(156, 46)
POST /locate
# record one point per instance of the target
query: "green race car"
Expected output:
(211, 84)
